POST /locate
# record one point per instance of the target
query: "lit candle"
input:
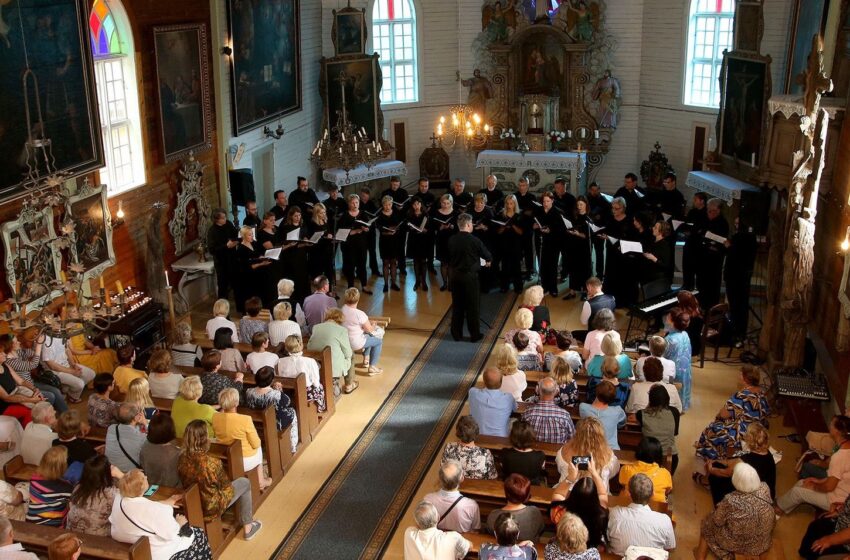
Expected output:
(596, 134)
(753, 159)
(569, 134)
(62, 276)
(108, 301)
(118, 287)
(167, 283)
(101, 282)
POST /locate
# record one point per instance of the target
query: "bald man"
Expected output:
(491, 407)
(457, 512)
(495, 197)
(551, 423)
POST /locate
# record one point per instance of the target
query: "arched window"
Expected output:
(394, 38)
(710, 30)
(117, 96)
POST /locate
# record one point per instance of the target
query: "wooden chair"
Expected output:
(38, 537)
(713, 331)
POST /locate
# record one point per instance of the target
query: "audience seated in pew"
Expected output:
(229, 425)
(610, 347)
(124, 441)
(139, 394)
(654, 375)
(214, 382)
(38, 435)
(361, 332)
(91, 501)
(65, 547)
(657, 347)
(491, 407)
(427, 542)
(564, 375)
(270, 392)
(295, 363)
(19, 363)
(572, 541)
(50, 493)
(532, 300)
(513, 380)
(159, 454)
(758, 456)
(282, 326)
(164, 384)
(318, 303)
(456, 512)
(527, 358)
(186, 407)
(636, 524)
(102, 410)
(521, 458)
(507, 543)
(125, 372)
(477, 463)
(741, 524)
(604, 323)
(610, 373)
(230, 358)
(611, 417)
(70, 430)
(529, 518)
(550, 422)
(583, 494)
(589, 441)
(9, 549)
(11, 436)
(250, 323)
(659, 420)
(184, 352)
(221, 309)
(23, 354)
(649, 458)
(524, 319)
(73, 376)
(572, 357)
(331, 333)
(197, 466)
(171, 537)
(260, 357)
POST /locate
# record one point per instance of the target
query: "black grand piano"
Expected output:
(646, 315)
(143, 324)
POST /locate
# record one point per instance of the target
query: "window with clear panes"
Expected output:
(710, 32)
(394, 39)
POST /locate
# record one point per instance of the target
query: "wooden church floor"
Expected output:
(414, 316)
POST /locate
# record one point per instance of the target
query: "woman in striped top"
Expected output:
(184, 352)
(49, 492)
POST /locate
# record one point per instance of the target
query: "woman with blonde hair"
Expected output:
(757, 456)
(171, 537)
(532, 300)
(361, 332)
(221, 309)
(186, 407)
(564, 376)
(281, 326)
(444, 217)
(611, 347)
(509, 245)
(513, 380)
(590, 441)
(251, 270)
(184, 352)
(50, 493)
(320, 255)
(570, 542)
(331, 333)
(523, 319)
(390, 239)
(295, 363)
(230, 426)
(139, 394)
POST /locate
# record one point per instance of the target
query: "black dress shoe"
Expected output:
(443, 288)
(396, 287)
(424, 287)
(415, 286)
(386, 289)
(366, 291)
(476, 338)
(457, 337)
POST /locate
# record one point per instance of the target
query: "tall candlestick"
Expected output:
(119, 287)
(107, 299)
(18, 287)
(62, 276)
(167, 283)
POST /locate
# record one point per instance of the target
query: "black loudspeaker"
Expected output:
(241, 186)
(754, 210)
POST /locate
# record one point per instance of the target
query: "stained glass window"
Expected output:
(117, 97)
(710, 32)
(394, 38)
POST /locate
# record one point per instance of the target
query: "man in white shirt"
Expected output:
(39, 434)
(456, 512)
(9, 549)
(75, 376)
(426, 542)
(636, 524)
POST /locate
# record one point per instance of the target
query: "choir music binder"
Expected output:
(342, 234)
(294, 234)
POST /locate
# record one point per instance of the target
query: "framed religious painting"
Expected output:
(745, 88)
(32, 262)
(354, 83)
(89, 212)
(349, 31)
(265, 62)
(34, 35)
(182, 72)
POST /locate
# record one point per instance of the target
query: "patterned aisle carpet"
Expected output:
(357, 510)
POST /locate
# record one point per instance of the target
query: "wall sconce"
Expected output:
(119, 216)
(277, 134)
(226, 50)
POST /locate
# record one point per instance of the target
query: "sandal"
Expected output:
(255, 528)
(348, 389)
(374, 370)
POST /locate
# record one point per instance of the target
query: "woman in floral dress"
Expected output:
(477, 462)
(268, 391)
(726, 433)
(679, 350)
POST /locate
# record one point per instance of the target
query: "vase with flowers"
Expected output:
(556, 137)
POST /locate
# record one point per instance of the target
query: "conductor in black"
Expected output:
(465, 255)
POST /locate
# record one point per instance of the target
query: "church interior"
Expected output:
(608, 190)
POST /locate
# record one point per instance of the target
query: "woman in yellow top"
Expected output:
(650, 456)
(229, 425)
(125, 373)
(101, 360)
(186, 407)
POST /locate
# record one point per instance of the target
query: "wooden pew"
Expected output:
(477, 540)
(36, 538)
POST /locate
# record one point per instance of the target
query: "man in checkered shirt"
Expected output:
(551, 423)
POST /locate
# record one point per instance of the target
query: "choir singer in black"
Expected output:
(466, 253)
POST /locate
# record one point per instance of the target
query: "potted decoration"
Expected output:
(556, 136)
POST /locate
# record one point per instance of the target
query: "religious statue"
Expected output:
(582, 19)
(535, 120)
(607, 92)
(498, 19)
(480, 90)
